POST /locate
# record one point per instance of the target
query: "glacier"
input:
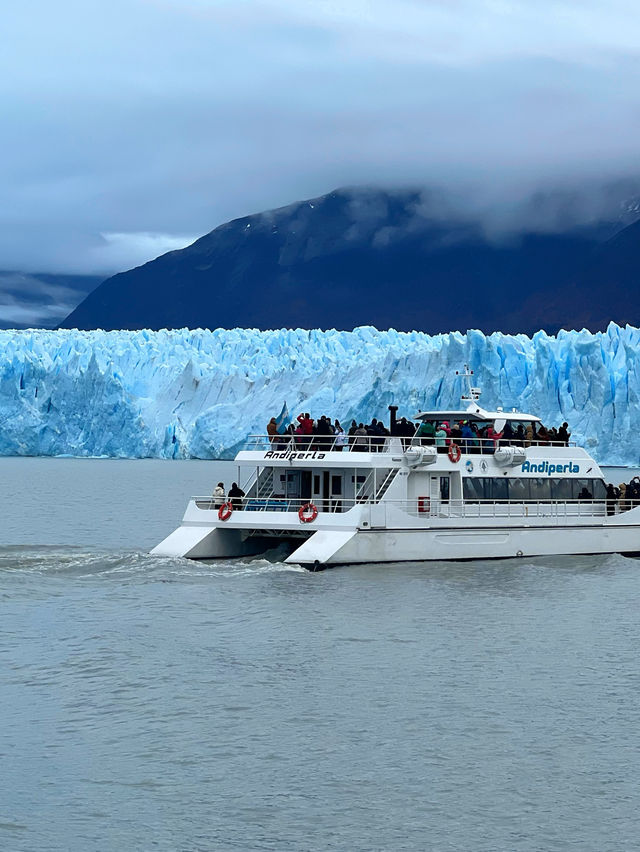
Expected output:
(198, 394)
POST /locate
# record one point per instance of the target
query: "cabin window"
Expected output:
(336, 485)
(518, 490)
(499, 489)
(316, 483)
(539, 489)
(531, 489)
(473, 489)
(561, 489)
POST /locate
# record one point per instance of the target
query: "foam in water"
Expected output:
(181, 394)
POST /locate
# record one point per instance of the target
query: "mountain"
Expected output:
(387, 259)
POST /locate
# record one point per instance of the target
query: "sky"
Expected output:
(131, 127)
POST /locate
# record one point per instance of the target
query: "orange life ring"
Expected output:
(307, 513)
(424, 505)
(454, 452)
(224, 512)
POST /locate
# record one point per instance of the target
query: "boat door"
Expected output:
(440, 491)
(298, 486)
(327, 491)
(320, 490)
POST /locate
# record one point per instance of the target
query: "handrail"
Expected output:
(387, 443)
(421, 508)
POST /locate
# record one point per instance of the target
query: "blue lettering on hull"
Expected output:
(548, 468)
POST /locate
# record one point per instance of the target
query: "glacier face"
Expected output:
(195, 393)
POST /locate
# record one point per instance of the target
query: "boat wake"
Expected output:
(64, 561)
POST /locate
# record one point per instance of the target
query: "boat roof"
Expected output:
(474, 412)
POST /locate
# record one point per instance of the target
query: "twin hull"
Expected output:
(361, 536)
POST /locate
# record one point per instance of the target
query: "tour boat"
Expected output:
(399, 498)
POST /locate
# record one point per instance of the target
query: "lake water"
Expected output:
(157, 704)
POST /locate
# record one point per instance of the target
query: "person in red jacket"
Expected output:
(306, 428)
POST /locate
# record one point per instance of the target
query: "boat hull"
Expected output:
(469, 544)
(325, 547)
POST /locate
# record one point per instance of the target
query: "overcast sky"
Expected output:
(130, 127)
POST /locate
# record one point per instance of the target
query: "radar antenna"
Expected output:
(473, 393)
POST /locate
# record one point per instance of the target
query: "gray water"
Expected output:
(163, 704)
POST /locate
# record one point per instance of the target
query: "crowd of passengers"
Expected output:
(471, 437)
(623, 497)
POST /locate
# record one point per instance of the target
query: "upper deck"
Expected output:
(476, 454)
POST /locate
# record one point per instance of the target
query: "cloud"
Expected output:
(128, 122)
(26, 300)
(123, 251)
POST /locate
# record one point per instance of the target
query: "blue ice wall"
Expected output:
(177, 394)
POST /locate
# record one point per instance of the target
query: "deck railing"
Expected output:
(384, 443)
(421, 507)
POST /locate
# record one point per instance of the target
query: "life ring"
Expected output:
(307, 513)
(454, 452)
(424, 505)
(224, 512)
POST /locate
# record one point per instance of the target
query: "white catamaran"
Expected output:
(398, 498)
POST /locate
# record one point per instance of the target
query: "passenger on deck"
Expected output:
(493, 439)
(426, 432)
(218, 495)
(376, 440)
(543, 435)
(623, 503)
(441, 439)
(564, 434)
(529, 435)
(351, 433)
(455, 433)
(361, 439)
(341, 439)
(611, 499)
(323, 435)
(633, 492)
(406, 430)
(305, 429)
(272, 430)
(507, 434)
(235, 495)
(467, 437)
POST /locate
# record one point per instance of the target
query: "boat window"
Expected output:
(499, 489)
(561, 489)
(596, 488)
(473, 488)
(539, 489)
(316, 483)
(336, 485)
(530, 489)
(519, 489)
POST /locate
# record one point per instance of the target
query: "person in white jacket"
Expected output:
(218, 495)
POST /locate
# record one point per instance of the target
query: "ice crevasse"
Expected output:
(194, 393)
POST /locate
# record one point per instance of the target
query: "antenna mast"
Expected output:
(473, 393)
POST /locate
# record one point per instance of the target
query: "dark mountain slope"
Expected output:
(372, 258)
